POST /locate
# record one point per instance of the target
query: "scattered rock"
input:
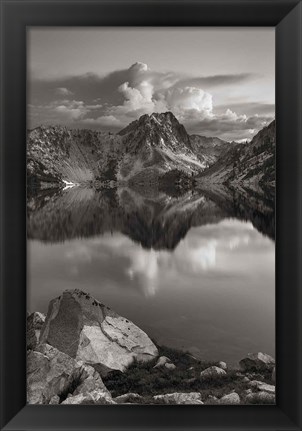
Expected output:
(255, 383)
(34, 323)
(191, 380)
(170, 366)
(257, 362)
(164, 361)
(261, 386)
(271, 389)
(230, 399)
(79, 332)
(222, 365)
(88, 331)
(212, 397)
(89, 398)
(212, 400)
(274, 375)
(128, 398)
(212, 373)
(260, 398)
(51, 374)
(179, 398)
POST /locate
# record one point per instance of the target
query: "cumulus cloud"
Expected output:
(219, 249)
(139, 97)
(116, 99)
(248, 108)
(105, 121)
(62, 111)
(72, 110)
(146, 92)
(189, 98)
(229, 126)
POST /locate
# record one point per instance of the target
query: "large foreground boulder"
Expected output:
(179, 398)
(257, 362)
(52, 376)
(88, 331)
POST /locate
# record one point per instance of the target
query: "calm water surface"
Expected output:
(186, 270)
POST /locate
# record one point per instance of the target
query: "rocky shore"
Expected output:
(82, 352)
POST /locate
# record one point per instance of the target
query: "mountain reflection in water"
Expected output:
(154, 220)
(195, 271)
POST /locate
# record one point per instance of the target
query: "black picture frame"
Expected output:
(285, 15)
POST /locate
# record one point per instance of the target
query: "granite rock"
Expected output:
(88, 331)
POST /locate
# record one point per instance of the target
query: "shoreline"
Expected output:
(83, 352)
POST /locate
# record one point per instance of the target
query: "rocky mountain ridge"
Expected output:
(56, 154)
(160, 144)
(143, 153)
(251, 164)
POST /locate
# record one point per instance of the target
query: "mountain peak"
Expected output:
(167, 116)
(150, 120)
(160, 116)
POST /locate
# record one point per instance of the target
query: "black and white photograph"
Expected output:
(151, 215)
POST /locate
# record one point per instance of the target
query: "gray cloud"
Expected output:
(89, 86)
(229, 128)
(63, 91)
(112, 101)
(218, 80)
(249, 108)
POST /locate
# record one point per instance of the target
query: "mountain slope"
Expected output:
(209, 149)
(150, 151)
(156, 144)
(251, 164)
(55, 154)
(146, 149)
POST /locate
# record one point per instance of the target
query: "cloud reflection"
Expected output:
(212, 250)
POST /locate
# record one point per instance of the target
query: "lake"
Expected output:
(195, 272)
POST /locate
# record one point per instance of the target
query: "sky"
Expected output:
(217, 81)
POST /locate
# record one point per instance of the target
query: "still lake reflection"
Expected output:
(194, 272)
